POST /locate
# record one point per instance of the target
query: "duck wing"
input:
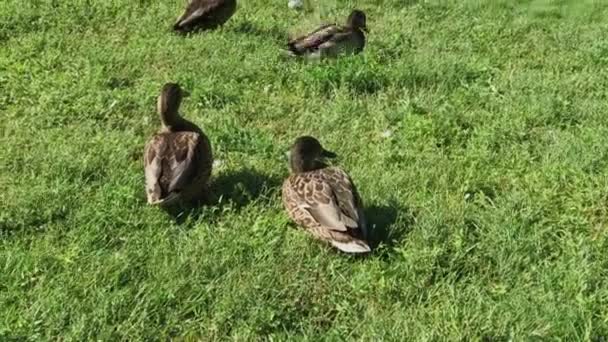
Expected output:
(346, 194)
(330, 200)
(153, 168)
(171, 161)
(205, 13)
(313, 40)
(345, 41)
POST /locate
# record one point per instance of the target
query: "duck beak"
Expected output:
(328, 154)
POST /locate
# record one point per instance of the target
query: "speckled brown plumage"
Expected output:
(324, 201)
(178, 159)
(332, 40)
(205, 15)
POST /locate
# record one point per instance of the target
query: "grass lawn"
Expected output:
(476, 132)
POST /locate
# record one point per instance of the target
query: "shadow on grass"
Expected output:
(250, 28)
(242, 187)
(236, 190)
(383, 222)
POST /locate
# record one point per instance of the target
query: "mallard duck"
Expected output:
(178, 158)
(205, 15)
(332, 40)
(323, 199)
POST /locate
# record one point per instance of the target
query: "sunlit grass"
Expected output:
(475, 131)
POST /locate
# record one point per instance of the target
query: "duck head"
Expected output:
(307, 154)
(357, 20)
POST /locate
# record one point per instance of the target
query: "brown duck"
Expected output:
(205, 15)
(332, 40)
(323, 199)
(177, 159)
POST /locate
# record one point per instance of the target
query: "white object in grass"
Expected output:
(295, 4)
(387, 134)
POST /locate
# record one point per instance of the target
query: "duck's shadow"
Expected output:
(232, 189)
(388, 224)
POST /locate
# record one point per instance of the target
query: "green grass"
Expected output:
(489, 200)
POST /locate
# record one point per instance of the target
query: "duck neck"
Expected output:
(360, 34)
(170, 119)
(175, 123)
(301, 165)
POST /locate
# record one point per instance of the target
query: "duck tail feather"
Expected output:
(291, 46)
(171, 199)
(353, 246)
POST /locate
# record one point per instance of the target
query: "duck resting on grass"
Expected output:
(205, 15)
(178, 158)
(323, 199)
(332, 40)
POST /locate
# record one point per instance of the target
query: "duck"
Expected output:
(204, 15)
(178, 159)
(332, 40)
(323, 199)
